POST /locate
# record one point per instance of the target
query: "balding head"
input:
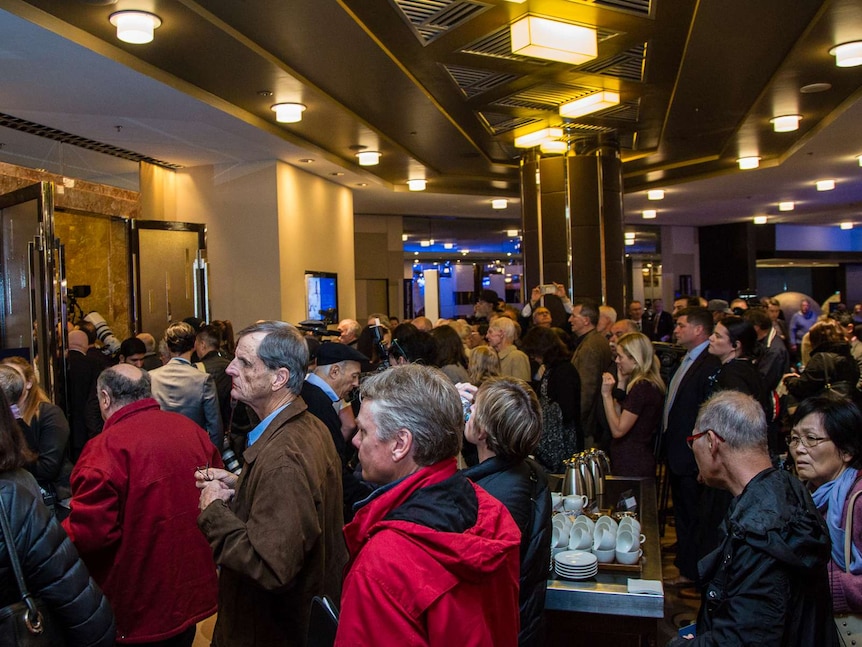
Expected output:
(149, 341)
(78, 341)
(121, 385)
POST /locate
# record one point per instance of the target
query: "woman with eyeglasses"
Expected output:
(826, 444)
(52, 569)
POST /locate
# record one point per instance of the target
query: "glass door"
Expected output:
(30, 298)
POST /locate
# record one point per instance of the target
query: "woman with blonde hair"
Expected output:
(483, 364)
(47, 436)
(634, 407)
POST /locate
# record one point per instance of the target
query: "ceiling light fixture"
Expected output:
(536, 137)
(825, 185)
(448, 245)
(288, 113)
(785, 123)
(416, 185)
(554, 147)
(649, 214)
(499, 203)
(846, 225)
(404, 238)
(859, 159)
(848, 54)
(512, 233)
(748, 163)
(590, 103)
(655, 194)
(630, 234)
(135, 27)
(425, 243)
(368, 158)
(759, 220)
(553, 40)
(786, 206)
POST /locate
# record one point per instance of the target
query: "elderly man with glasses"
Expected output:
(766, 583)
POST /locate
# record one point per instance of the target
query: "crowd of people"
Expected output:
(406, 462)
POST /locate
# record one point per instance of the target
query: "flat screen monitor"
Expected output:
(321, 296)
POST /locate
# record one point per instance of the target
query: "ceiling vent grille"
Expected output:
(548, 96)
(473, 82)
(432, 18)
(627, 65)
(499, 45)
(625, 111)
(32, 128)
(499, 123)
(635, 6)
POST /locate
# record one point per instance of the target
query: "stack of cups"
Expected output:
(628, 541)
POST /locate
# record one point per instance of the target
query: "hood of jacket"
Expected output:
(781, 520)
(440, 512)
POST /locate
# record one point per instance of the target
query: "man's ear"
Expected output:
(280, 378)
(334, 371)
(403, 445)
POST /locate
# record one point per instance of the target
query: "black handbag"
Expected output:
(27, 623)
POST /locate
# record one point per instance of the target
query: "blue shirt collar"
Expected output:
(316, 380)
(256, 433)
(695, 352)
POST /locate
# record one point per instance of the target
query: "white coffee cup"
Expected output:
(575, 503)
(606, 521)
(559, 537)
(630, 523)
(604, 556)
(584, 520)
(556, 500)
(603, 539)
(580, 539)
(628, 558)
(628, 541)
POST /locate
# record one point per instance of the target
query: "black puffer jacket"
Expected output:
(767, 583)
(523, 488)
(52, 569)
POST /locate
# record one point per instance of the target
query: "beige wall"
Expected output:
(267, 223)
(379, 257)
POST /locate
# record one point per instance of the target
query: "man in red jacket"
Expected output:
(134, 513)
(434, 559)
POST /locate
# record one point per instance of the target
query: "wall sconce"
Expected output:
(848, 54)
(135, 27)
(748, 163)
(589, 104)
(416, 185)
(553, 40)
(288, 113)
(785, 123)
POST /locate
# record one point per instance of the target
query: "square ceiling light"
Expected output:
(590, 103)
(553, 40)
(537, 137)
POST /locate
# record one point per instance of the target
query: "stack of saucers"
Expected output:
(576, 564)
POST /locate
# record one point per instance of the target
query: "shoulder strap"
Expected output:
(33, 619)
(848, 529)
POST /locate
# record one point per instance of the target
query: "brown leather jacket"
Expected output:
(279, 543)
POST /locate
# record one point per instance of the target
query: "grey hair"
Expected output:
(326, 369)
(507, 326)
(123, 389)
(11, 383)
(736, 417)
(423, 401)
(282, 347)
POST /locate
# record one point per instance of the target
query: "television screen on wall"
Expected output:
(321, 296)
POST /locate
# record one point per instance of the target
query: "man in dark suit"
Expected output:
(661, 323)
(689, 387)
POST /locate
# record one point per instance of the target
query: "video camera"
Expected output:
(317, 328)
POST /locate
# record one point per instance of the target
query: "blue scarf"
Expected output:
(833, 495)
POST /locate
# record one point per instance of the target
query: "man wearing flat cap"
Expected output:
(719, 309)
(336, 373)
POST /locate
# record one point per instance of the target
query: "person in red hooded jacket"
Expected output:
(434, 559)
